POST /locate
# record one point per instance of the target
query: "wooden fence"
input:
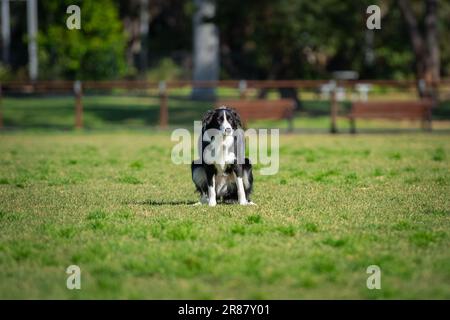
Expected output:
(77, 88)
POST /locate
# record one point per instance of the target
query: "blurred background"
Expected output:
(162, 63)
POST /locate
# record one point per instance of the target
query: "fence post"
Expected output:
(163, 108)
(242, 89)
(334, 111)
(78, 91)
(1, 107)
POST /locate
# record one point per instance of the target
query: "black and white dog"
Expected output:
(223, 172)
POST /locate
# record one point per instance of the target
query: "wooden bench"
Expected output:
(262, 109)
(412, 110)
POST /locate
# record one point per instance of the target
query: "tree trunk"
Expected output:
(425, 47)
(278, 72)
(144, 21)
(432, 76)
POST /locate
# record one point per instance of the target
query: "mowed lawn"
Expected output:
(115, 205)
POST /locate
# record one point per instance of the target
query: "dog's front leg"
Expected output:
(238, 172)
(212, 191)
(241, 192)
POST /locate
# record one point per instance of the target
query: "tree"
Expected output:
(291, 39)
(96, 51)
(425, 45)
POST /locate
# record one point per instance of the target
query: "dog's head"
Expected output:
(224, 119)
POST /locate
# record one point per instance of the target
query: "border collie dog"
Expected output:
(222, 173)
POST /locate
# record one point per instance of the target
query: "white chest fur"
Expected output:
(223, 153)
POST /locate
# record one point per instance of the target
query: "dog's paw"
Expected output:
(197, 204)
(247, 203)
(212, 203)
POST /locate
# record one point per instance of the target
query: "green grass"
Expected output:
(114, 204)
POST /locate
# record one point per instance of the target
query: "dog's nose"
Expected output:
(227, 130)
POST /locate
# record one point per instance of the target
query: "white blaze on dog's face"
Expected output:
(225, 127)
(223, 119)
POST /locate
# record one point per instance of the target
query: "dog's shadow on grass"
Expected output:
(171, 203)
(151, 202)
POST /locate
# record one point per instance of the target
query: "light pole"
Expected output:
(206, 47)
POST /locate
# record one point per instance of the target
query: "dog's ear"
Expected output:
(207, 118)
(236, 117)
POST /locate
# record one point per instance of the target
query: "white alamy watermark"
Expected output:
(74, 279)
(374, 280)
(263, 147)
(374, 20)
(74, 20)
